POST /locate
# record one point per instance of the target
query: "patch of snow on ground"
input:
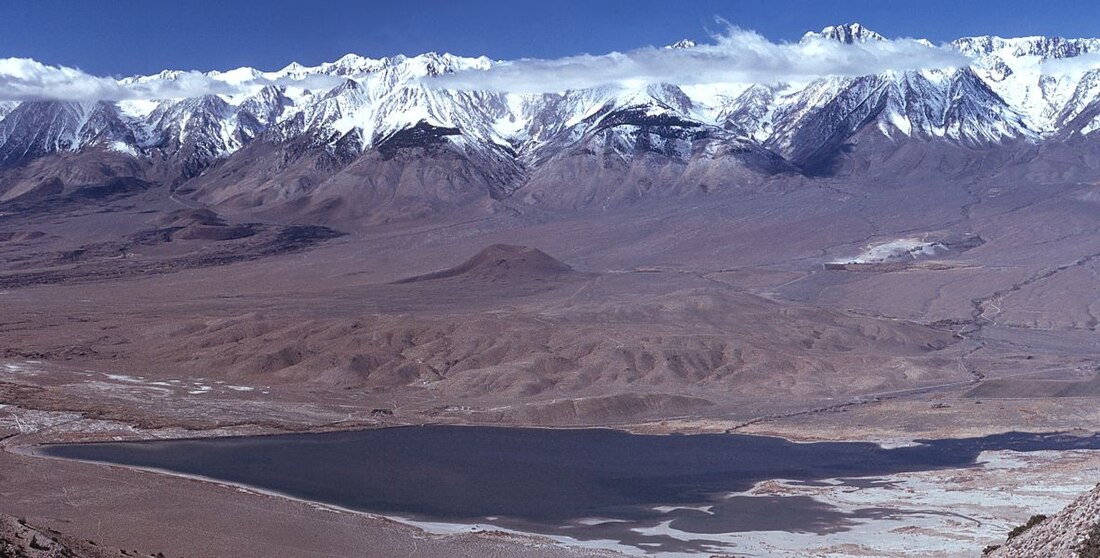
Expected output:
(590, 521)
(666, 509)
(900, 249)
(442, 528)
(123, 378)
(951, 513)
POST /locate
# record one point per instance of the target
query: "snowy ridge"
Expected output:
(1010, 92)
(847, 34)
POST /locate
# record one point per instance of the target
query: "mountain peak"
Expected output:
(683, 43)
(849, 33)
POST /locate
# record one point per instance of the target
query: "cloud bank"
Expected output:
(737, 56)
(1072, 66)
(24, 79)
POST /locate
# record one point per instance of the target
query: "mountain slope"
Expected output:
(1072, 533)
(348, 134)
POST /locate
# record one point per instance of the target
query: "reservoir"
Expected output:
(586, 484)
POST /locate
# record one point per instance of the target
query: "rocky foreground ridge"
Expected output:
(1072, 533)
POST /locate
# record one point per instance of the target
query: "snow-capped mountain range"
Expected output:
(1014, 90)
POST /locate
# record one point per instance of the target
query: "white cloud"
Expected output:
(194, 84)
(738, 56)
(1072, 66)
(24, 79)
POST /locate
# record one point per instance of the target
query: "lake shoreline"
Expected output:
(518, 536)
(671, 532)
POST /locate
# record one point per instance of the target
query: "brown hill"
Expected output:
(502, 263)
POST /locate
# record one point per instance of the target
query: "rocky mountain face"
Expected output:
(847, 34)
(380, 140)
(1072, 533)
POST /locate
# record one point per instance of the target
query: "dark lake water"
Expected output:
(545, 481)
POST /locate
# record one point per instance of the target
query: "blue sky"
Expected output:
(124, 37)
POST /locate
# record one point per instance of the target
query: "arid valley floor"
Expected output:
(136, 314)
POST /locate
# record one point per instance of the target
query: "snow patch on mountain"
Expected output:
(799, 100)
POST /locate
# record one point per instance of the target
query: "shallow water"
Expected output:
(555, 481)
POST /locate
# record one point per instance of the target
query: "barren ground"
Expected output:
(708, 314)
